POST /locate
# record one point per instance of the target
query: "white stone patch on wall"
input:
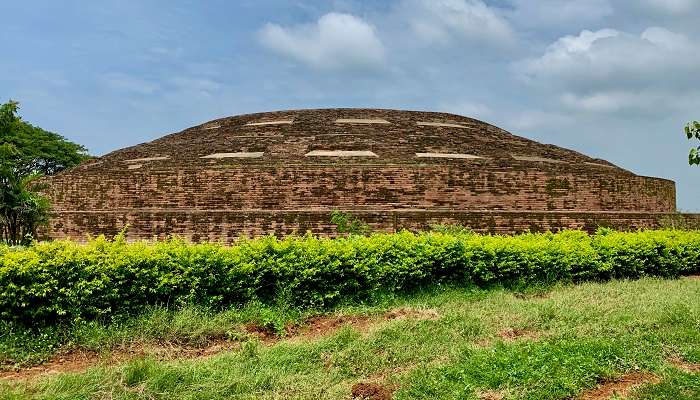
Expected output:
(280, 122)
(536, 159)
(257, 135)
(361, 121)
(442, 124)
(147, 159)
(134, 166)
(448, 155)
(599, 165)
(91, 164)
(240, 154)
(211, 126)
(340, 153)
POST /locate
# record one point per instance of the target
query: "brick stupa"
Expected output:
(284, 172)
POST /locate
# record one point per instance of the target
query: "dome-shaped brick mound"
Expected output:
(284, 172)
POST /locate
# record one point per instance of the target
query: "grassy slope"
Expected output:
(573, 337)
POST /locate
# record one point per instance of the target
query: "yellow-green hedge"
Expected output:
(49, 282)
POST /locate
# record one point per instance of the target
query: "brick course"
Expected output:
(382, 186)
(227, 226)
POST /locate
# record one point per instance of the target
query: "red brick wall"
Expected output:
(363, 187)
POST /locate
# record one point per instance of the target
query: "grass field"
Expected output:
(622, 339)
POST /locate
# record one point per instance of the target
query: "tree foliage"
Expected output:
(26, 153)
(39, 151)
(692, 130)
(22, 209)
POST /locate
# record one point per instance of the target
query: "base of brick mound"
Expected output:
(228, 225)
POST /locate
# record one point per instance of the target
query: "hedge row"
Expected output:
(49, 282)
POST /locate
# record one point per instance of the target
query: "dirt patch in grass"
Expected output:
(371, 391)
(79, 360)
(490, 395)
(315, 327)
(263, 333)
(72, 361)
(325, 325)
(509, 335)
(620, 387)
(513, 334)
(681, 364)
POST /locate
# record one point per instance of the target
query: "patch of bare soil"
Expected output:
(80, 360)
(513, 334)
(72, 361)
(326, 325)
(696, 277)
(371, 391)
(263, 333)
(620, 387)
(683, 365)
(490, 395)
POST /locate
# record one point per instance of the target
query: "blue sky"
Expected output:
(615, 79)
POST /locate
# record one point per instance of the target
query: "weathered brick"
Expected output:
(516, 185)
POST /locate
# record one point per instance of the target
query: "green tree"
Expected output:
(692, 130)
(22, 209)
(40, 151)
(26, 154)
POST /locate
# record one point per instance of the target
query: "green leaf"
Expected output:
(694, 157)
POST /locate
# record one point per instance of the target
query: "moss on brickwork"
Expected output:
(557, 187)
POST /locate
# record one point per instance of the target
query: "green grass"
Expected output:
(191, 326)
(573, 338)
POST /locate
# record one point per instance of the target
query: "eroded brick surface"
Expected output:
(176, 190)
(230, 225)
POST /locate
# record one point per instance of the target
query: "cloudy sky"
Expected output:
(615, 79)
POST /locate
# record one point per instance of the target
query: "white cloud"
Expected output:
(608, 54)
(609, 70)
(544, 14)
(667, 40)
(445, 22)
(611, 101)
(535, 17)
(336, 41)
(579, 44)
(673, 7)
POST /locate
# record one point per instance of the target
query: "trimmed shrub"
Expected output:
(49, 282)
